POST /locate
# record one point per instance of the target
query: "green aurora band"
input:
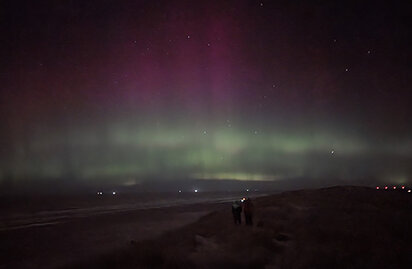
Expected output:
(130, 153)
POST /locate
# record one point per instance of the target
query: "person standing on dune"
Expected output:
(248, 211)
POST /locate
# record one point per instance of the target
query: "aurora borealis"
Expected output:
(127, 91)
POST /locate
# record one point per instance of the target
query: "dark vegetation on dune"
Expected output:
(339, 227)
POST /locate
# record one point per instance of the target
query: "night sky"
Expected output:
(125, 91)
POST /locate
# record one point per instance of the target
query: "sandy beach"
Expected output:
(338, 227)
(33, 238)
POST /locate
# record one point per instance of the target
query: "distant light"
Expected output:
(114, 193)
(409, 190)
(403, 187)
(377, 188)
(394, 187)
(180, 191)
(247, 189)
(99, 193)
(386, 187)
(332, 152)
(195, 190)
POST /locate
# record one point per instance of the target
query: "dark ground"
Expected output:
(339, 227)
(72, 238)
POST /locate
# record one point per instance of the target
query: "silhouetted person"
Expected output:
(248, 211)
(237, 212)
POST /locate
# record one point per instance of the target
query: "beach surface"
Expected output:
(51, 232)
(337, 227)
